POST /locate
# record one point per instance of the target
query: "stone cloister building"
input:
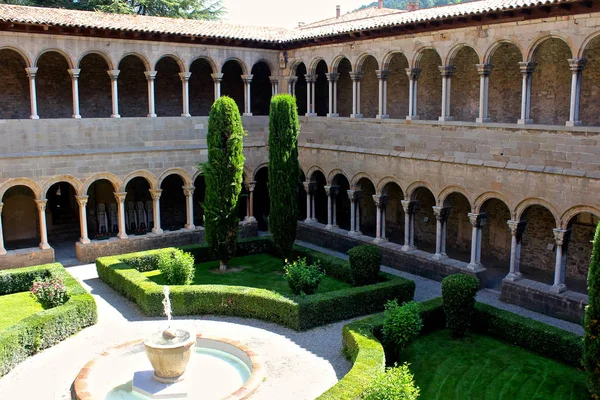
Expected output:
(458, 138)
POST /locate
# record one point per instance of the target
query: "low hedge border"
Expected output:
(45, 328)
(361, 345)
(299, 313)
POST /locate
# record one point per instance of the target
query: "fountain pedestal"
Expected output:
(169, 353)
(145, 384)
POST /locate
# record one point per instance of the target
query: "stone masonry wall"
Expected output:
(429, 89)
(425, 222)
(589, 107)
(464, 91)
(344, 89)
(535, 254)
(133, 88)
(496, 235)
(369, 89)
(458, 230)
(580, 249)
(54, 88)
(201, 88)
(14, 86)
(397, 92)
(168, 89)
(95, 98)
(504, 97)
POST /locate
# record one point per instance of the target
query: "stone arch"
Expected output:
(447, 191)
(199, 173)
(412, 188)
(456, 208)
(357, 177)
(464, 93)
(14, 86)
(489, 53)
(63, 53)
(429, 89)
(294, 66)
(482, 198)
(258, 168)
(344, 87)
(495, 236)
(26, 58)
(105, 57)
(504, 98)
(272, 68)
(321, 88)
(54, 84)
(394, 213)
(141, 173)
(451, 56)
(423, 218)
(388, 179)
(420, 52)
(566, 217)
(35, 188)
(262, 206)
(70, 179)
(300, 88)
(237, 60)
(360, 61)
(312, 68)
(232, 84)
(318, 180)
(369, 85)
(116, 182)
(525, 204)
(336, 62)
(143, 58)
(260, 88)
(95, 95)
(201, 86)
(208, 60)
(335, 172)
(133, 85)
(313, 169)
(366, 206)
(168, 98)
(396, 63)
(389, 56)
(177, 59)
(537, 42)
(185, 176)
(589, 110)
(20, 217)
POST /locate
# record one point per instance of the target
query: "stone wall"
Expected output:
(464, 90)
(458, 230)
(133, 88)
(95, 98)
(397, 92)
(369, 89)
(589, 108)
(201, 88)
(504, 98)
(53, 87)
(580, 247)
(425, 222)
(26, 257)
(14, 86)
(344, 89)
(429, 87)
(538, 251)
(496, 235)
(168, 88)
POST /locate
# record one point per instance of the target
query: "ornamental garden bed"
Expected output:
(134, 275)
(25, 327)
(504, 356)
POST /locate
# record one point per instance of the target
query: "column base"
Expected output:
(379, 240)
(382, 116)
(513, 276)
(186, 115)
(483, 120)
(44, 246)
(438, 256)
(190, 227)
(412, 118)
(84, 241)
(3, 252)
(353, 233)
(329, 226)
(77, 116)
(157, 231)
(356, 115)
(573, 123)
(443, 119)
(246, 114)
(308, 220)
(474, 266)
(249, 219)
(408, 248)
(524, 121)
(561, 287)
(333, 115)
(151, 115)
(310, 114)
(123, 236)
(34, 117)
(115, 116)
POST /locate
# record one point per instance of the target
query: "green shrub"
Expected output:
(458, 295)
(591, 339)
(395, 383)
(365, 263)
(177, 267)
(50, 292)
(401, 323)
(302, 278)
(284, 172)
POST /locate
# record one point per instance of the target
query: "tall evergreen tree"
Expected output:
(223, 174)
(284, 171)
(591, 339)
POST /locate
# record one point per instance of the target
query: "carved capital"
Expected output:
(113, 73)
(441, 213)
(120, 197)
(41, 204)
(447, 70)
(354, 195)
(155, 193)
(82, 200)
(577, 64)
(561, 236)
(527, 67)
(250, 186)
(292, 79)
(188, 190)
(74, 72)
(413, 73)
(185, 76)
(327, 190)
(274, 79)
(310, 78)
(380, 200)
(247, 78)
(477, 220)
(517, 228)
(356, 76)
(334, 190)
(382, 74)
(484, 69)
(217, 76)
(150, 75)
(31, 72)
(409, 206)
(1, 206)
(332, 76)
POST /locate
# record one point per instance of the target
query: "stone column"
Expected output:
(356, 77)
(307, 188)
(2, 249)
(577, 65)
(354, 196)
(82, 202)
(413, 78)
(114, 90)
(185, 88)
(310, 95)
(332, 79)
(380, 204)
(120, 197)
(292, 85)
(329, 207)
(150, 76)
(562, 238)
(189, 207)
(334, 190)
(217, 78)
(527, 69)
(477, 222)
(484, 71)
(382, 76)
(447, 71)
(441, 217)
(274, 85)
(247, 79)
(41, 206)
(31, 72)
(409, 206)
(250, 203)
(155, 193)
(517, 228)
(75, 88)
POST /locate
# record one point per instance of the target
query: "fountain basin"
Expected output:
(169, 358)
(219, 368)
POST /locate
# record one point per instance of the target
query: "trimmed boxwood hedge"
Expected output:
(300, 313)
(48, 327)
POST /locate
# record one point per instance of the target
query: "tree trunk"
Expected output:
(222, 266)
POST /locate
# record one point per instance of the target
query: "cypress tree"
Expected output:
(591, 339)
(223, 174)
(284, 171)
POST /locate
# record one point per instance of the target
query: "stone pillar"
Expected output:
(247, 79)
(441, 217)
(562, 238)
(155, 193)
(120, 197)
(308, 189)
(217, 78)
(354, 196)
(477, 222)
(250, 203)
(41, 206)
(150, 76)
(577, 65)
(413, 78)
(75, 88)
(409, 206)
(382, 76)
(310, 95)
(332, 79)
(333, 192)
(517, 228)
(274, 85)
(31, 72)
(189, 207)
(329, 207)
(527, 69)
(484, 71)
(447, 71)
(185, 88)
(356, 77)
(2, 249)
(292, 85)
(380, 204)
(114, 90)
(82, 202)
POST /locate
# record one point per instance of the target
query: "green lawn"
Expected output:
(482, 368)
(259, 271)
(14, 307)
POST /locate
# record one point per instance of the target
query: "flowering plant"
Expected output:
(50, 292)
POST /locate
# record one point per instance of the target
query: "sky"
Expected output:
(285, 13)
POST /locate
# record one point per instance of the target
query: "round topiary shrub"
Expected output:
(177, 267)
(458, 295)
(365, 263)
(302, 278)
(395, 383)
(401, 323)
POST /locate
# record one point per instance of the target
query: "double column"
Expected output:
(217, 78)
(31, 73)
(332, 78)
(409, 207)
(82, 202)
(577, 65)
(155, 194)
(562, 238)
(250, 203)
(247, 79)
(517, 228)
(310, 188)
(185, 89)
(310, 95)
(477, 222)
(331, 192)
(382, 77)
(189, 206)
(413, 78)
(74, 73)
(274, 85)
(380, 202)
(120, 197)
(356, 78)
(484, 71)
(527, 68)
(114, 91)
(354, 196)
(150, 76)
(41, 206)
(292, 85)
(441, 218)
(447, 72)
